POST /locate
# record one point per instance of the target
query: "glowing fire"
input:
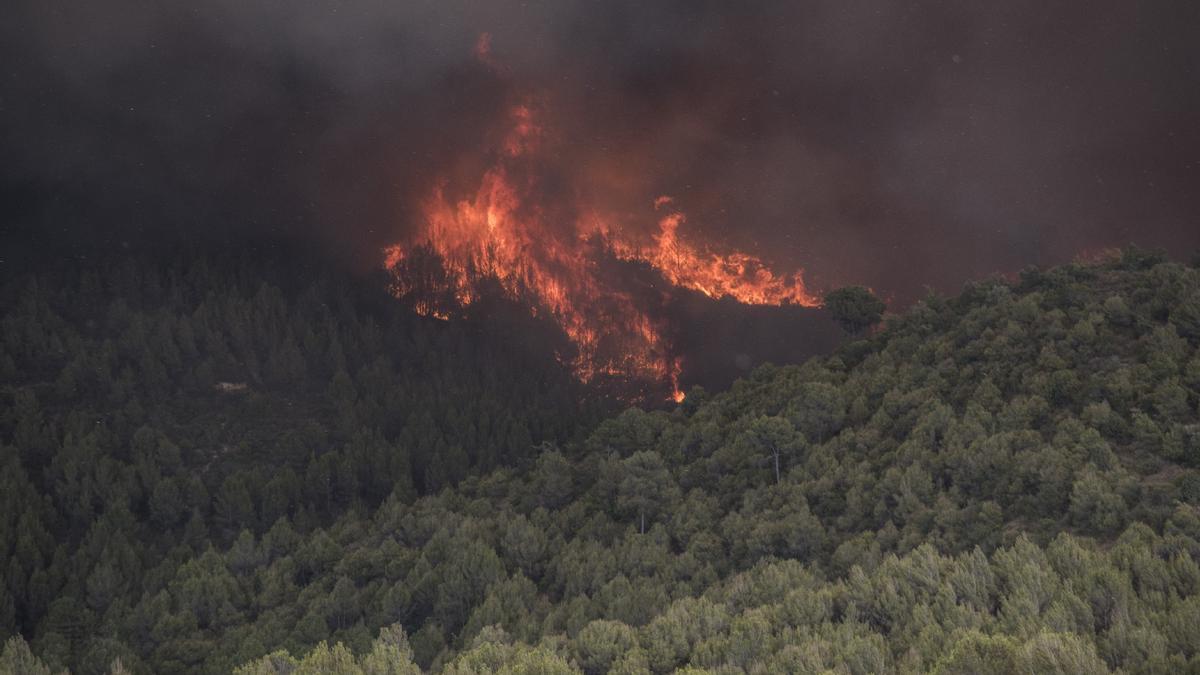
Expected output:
(502, 231)
(742, 277)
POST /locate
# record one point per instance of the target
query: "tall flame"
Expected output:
(501, 231)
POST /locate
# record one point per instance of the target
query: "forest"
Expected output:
(217, 465)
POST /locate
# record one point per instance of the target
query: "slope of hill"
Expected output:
(150, 403)
(1006, 481)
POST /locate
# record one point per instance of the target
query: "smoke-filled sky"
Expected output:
(894, 144)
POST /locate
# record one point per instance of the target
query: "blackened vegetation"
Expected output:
(715, 340)
(723, 340)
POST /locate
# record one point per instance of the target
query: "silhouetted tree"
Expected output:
(855, 308)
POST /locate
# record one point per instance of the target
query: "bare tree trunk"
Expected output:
(643, 517)
(777, 467)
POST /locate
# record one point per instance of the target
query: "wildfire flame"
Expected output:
(502, 231)
(740, 276)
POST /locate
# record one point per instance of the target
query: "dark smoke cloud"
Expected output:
(900, 145)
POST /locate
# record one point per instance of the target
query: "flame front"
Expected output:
(502, 231)
(740, 276)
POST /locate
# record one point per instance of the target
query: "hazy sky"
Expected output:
(899, 145)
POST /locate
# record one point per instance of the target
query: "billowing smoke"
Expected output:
(895, 145)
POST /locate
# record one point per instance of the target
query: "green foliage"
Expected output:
(644, 488)
(602, 642)
(151, 404)
(494, 654)
(1001, 482)
(389, 655)
(855, 308)
(17, 659)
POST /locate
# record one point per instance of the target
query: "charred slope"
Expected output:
(722, 340)
(647, 340)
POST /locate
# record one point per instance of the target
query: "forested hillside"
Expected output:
(152, 410)
(1005, 481)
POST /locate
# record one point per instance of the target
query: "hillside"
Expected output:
(149, 403)
(1004, 481)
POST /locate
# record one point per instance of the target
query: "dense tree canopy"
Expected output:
(1007, 481)
(855, 308)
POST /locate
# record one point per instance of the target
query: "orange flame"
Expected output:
(500, 231)
(740, 276)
